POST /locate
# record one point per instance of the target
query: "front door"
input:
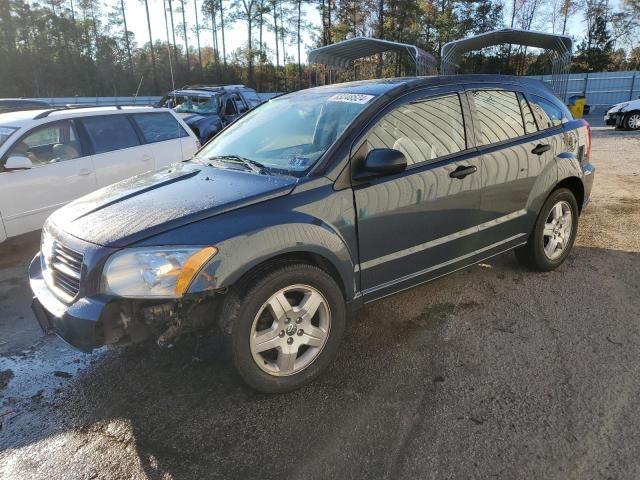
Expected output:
(420, 223)
(61, 171)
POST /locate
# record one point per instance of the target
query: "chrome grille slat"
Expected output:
(69, 288)
(65, 267)
(68, 259)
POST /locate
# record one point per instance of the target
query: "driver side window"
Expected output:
(51, 143)
(423, 131)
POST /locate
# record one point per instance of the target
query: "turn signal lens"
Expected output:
(192, 266)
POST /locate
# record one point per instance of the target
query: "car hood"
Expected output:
(157, 201)
(631, 104)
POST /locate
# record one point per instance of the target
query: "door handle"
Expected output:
(463, 170)
(84, 172)
(540, 149)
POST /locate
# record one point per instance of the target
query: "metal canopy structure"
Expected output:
(343, 54)
(560, 47)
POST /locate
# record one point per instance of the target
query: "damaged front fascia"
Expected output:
(133, 321)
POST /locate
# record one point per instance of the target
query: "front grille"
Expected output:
(65, 267)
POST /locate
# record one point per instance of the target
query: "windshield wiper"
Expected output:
(247, 162)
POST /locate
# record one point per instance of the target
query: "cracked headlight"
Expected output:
(154, 272)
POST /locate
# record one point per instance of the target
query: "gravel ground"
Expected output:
(493, 372)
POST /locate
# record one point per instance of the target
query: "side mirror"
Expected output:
(381, 162)
(18, 162)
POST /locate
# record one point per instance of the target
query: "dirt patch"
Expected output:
(5, 378)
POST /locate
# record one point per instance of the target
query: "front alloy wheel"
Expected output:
(290, 330)
(282, 326)
(632, 121)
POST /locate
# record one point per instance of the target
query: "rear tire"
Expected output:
(285, 328)
(554, 233)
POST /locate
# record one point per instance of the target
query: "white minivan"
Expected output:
(50, 157)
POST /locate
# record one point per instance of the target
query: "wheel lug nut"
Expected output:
(300, 332)
(281, 333)
(289, 340)
(299, 319)
(287, 320)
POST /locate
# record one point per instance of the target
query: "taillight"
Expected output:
(588, 140)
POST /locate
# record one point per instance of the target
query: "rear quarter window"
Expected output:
(159, 127)
(547, 114)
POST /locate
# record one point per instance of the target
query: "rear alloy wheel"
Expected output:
(557, 230)
(632, 121)
(554, 233)
(284, 328)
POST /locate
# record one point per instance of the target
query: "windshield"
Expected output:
(191, 104)
(290, 133)
(5, 133)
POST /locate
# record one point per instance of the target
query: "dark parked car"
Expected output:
(311, 205)
(16, 104)
(208, 109)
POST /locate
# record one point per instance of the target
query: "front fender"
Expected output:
(237, 256)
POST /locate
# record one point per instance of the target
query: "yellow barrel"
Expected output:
(576, 105)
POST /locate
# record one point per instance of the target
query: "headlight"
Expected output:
(154, 272)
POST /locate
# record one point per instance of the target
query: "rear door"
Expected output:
(417, 224)
(516, 160)
(166, 138)
(118, 152)
(62, 171)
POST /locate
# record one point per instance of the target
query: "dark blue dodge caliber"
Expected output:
(310, 205)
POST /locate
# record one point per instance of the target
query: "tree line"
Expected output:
(86, 47)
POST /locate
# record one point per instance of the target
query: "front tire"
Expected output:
(554, 233)
(285, 328)
(632, 121)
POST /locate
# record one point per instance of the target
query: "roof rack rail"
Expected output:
(46, 113)
(204, 87)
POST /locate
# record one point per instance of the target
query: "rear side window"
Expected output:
(498, 116)
(251, 97)
(527, 115)
(240, 105)
(423, 131)
(109, 133)
(546, 113)
(159, 127)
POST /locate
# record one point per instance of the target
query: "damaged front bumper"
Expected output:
(93, 321)
(614, 119)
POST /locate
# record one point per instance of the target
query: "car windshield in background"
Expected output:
(290, 133)
(5, 133)
(191, 104)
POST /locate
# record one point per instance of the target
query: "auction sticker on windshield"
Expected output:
(351, 97)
